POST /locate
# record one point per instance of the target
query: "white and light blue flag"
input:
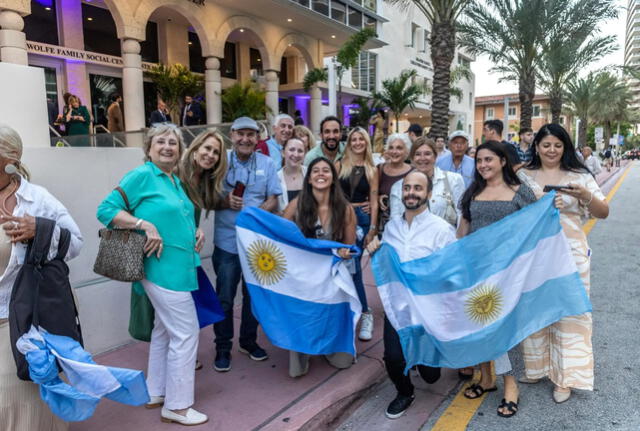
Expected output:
(475, 299)
(301, 292)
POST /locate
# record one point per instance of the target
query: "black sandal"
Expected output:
(511, 406)
(478, 391)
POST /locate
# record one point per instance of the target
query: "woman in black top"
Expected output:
(359, 181)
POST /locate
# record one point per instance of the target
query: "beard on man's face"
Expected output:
(331, 144)
(417, 202)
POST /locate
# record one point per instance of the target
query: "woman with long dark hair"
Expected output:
(563, 351)
(495, 193)
(321, 211)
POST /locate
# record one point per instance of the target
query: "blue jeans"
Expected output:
(363, 221)
(228, 275)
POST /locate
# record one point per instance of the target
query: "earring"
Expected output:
(10, 169)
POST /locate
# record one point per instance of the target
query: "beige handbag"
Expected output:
(121, 251)
(450, 214)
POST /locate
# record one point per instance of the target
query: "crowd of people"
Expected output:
(420, 195)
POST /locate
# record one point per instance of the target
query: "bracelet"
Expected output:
(373, 227)
(138, 223)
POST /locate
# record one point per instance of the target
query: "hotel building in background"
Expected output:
(632, 48)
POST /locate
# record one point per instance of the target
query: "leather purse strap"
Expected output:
(124, 197)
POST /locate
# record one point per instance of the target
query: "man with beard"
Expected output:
(414, 235)
(330, 147)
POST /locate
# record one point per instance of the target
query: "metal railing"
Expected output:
(103, 138)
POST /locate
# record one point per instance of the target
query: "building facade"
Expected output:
(407, 37)
(632, 48)
(93, 48)
(493, 107)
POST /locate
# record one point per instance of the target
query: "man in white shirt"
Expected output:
(591, 162)
(415, 234)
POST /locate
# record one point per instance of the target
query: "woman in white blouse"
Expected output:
(20, 203)
(448, 187)
(293, 171)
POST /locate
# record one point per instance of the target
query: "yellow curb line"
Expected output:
(459, 413)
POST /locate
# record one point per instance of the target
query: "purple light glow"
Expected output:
(346, 117)
(45, 3)
(301, 103)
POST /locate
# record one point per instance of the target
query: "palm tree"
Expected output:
(399, 94)
(244, 100)
(443, 17)
(582, 94)
(612, 103)
(512, 34)
(573, 46)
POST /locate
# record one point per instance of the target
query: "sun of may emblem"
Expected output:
(483, 304)
(267, 262)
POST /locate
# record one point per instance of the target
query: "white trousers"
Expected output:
(174, 346)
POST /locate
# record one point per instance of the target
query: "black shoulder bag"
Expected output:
(41, 294)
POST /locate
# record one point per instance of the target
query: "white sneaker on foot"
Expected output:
(192, 417)
(366, 326)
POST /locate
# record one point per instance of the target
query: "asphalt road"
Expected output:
(615, 294)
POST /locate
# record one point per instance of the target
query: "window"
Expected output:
(339, 11)
(284, 76)
(512, 112)
(489, 114)
(228, 63)
(369, 4)
(370, 22)
(196, 60)
(562, 120)
(414, 34)
(536, 111)
(304, 3)
(363, 74)
(42, 25)
(470, 100)
(321, 6)
(99, 30)
(255, 63)
(149, 47)
(426, 40)
(355, 18)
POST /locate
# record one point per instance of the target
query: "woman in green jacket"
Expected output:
(160, 207)
(77, 121)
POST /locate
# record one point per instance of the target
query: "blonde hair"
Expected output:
(346, 163)
(302, 130)
(158, 130)
(205, 190)
(11, 148)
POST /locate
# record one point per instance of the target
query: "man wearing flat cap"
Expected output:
(251, 181)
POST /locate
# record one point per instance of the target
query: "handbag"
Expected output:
(141, 316)
(121, 251)
(41, 295)
(450, 213)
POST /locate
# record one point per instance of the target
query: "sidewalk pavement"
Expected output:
(256, 395)
(262, 396)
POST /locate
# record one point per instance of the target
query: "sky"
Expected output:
(487, 84)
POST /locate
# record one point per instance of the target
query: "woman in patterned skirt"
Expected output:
(563, 350)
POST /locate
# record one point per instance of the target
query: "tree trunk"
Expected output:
(607, 133)
(582, 132)
(443, 45)
(555, 100)
(397, 117)
(527, 91)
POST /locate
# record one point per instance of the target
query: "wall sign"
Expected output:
(197, 2)
(77, 55)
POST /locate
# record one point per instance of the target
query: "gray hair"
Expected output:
(11, 148)
(161, 129)
(399, 137)
(281, 117)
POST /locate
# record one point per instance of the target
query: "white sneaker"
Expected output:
(192, 417)
(366, 326)
(155, 401)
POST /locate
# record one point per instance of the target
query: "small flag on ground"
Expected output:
(475, 299)
(301, 292)
(88, 381)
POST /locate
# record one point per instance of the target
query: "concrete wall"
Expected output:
(80, 178)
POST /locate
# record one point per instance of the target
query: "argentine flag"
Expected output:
(301, 293)
(475, 299)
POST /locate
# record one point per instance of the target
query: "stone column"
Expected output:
(133, 92)
(273, 81)
(13, 41)
(213, 90)
(315, 108)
